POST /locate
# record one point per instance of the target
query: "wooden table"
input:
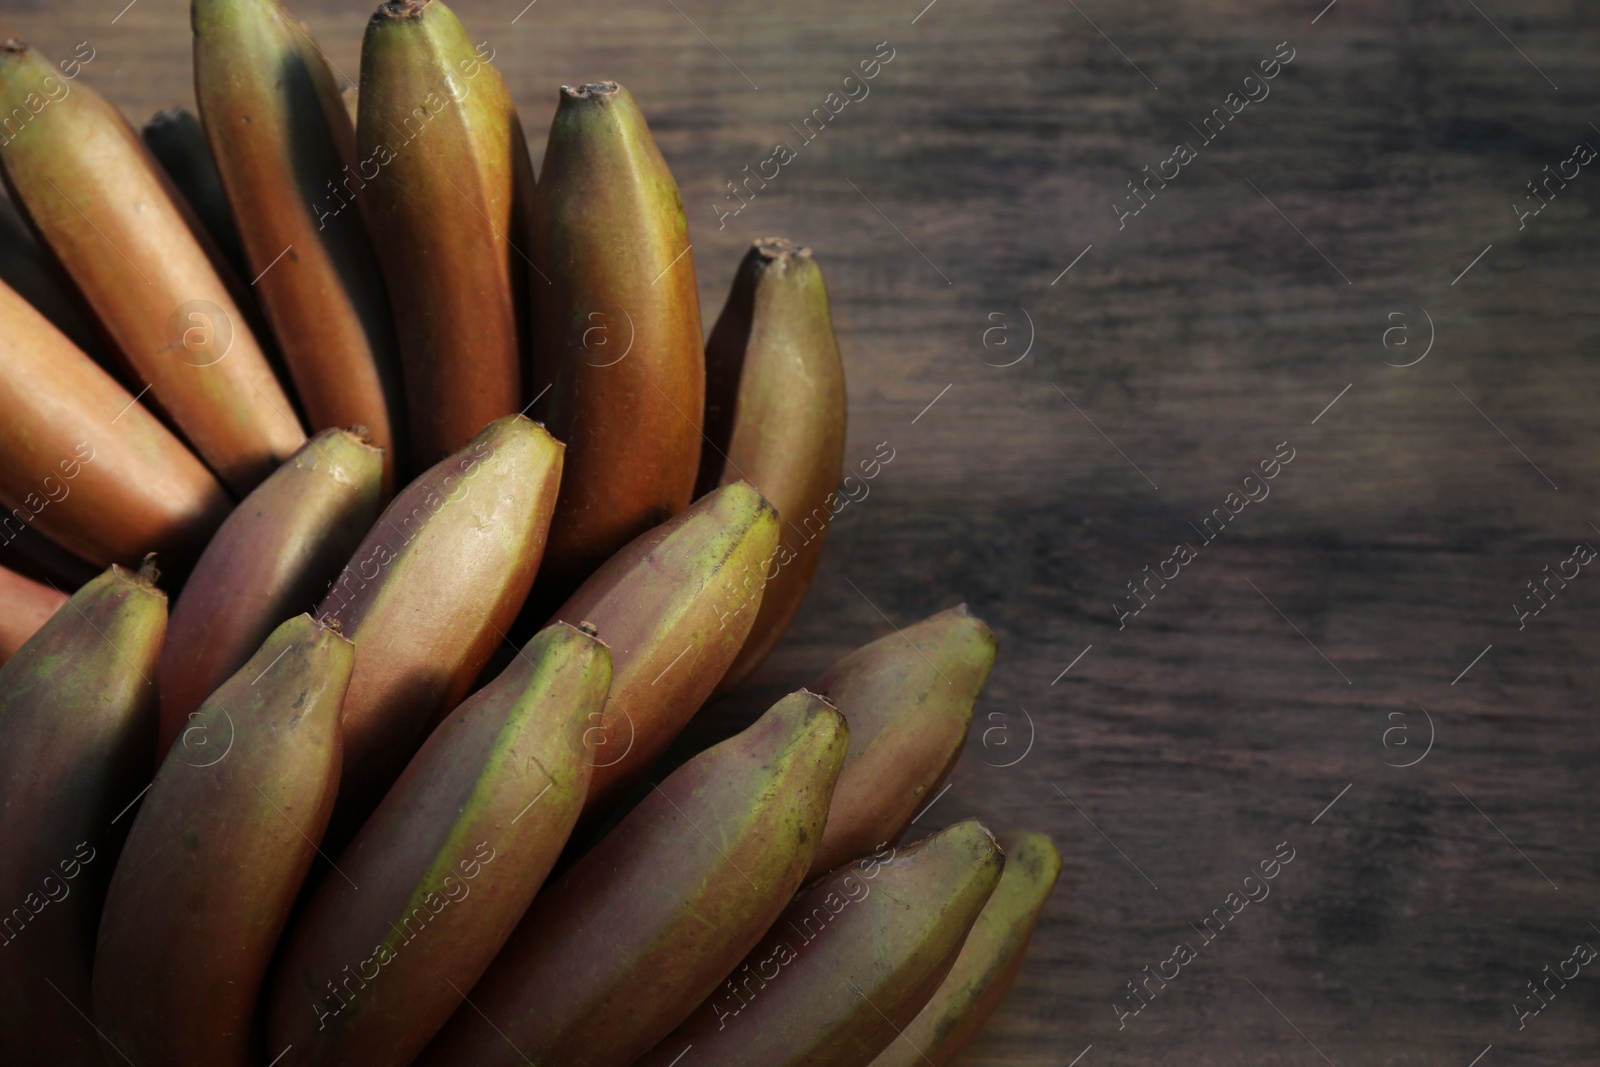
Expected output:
(1258, 698)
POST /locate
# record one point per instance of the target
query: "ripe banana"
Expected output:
(282, 139)
(909, 699)
(775, 414)
(619, 321)
(445, 175)
(77, 722)
(989, 961)
(727, 836)
(429, 594)
(274, 555)
(675, 606)
(416, 908)
(114, 220)
(25, 605)
(84, 463)
(217, 855)
(178, 142)
(848, 964)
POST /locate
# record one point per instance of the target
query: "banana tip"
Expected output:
(401, 9)
(589, 628)
(779, 248)
(14, 45)
(590, 90)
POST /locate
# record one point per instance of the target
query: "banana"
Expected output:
(282, 139)
(114, 220)
(84, 463)
(25, 605)
(274, 555)
(619, 319)
(848, 964)
(989, 960)
(77, 722)
(418, 905)
(445, 175)
(728, 835)
(429, 594)
(775, 415)
(217, 855)
(675, 606)
(909, 699)
(178, 142)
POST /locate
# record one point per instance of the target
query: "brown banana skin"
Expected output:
(77, 722)
(580, 981)
(431, 591)
(94, 193)
(282, 138)
(989, 960)
(675, 606)
(609, 232)
(274, 556)
(909, 699)
(25, 605)
(849, 963)
(443, 170)
(446, 865)
(84, 464)
(775, 416)
(217, 855)
(177, 140)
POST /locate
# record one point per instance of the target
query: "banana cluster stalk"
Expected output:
(463, 521)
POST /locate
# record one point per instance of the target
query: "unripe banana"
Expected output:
(429, 594)
(728, 835)
(416, 908)
(850, 962)
(989, 960)
(84, 463)
(445, 175)
(114, 220)
(282, 141)
(175, 137)
(619, 321)
(77, 722)
(775, 415)
(909, 699)
(675, 606)
(25, 605)
(217, 855)
(274, 556)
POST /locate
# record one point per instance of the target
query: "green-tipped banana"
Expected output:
(675, 606)
(116, 223)
(909, 699)
(217, 855)
(619, 321)
(273, 557)
(77, 726)
(775, 415)
(416, 908)
(989, 961)
(285, 151)
(178, 142)
(443, 170)
(848, 964)
(684, 886)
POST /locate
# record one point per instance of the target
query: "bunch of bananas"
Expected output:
(434, 656)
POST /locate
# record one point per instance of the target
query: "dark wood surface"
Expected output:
(1249, 294)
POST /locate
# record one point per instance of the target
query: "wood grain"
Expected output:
(1249, 294)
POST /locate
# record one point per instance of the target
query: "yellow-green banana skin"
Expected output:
(989, 961)
(848, 964)
(683, 886)
(77, 733)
